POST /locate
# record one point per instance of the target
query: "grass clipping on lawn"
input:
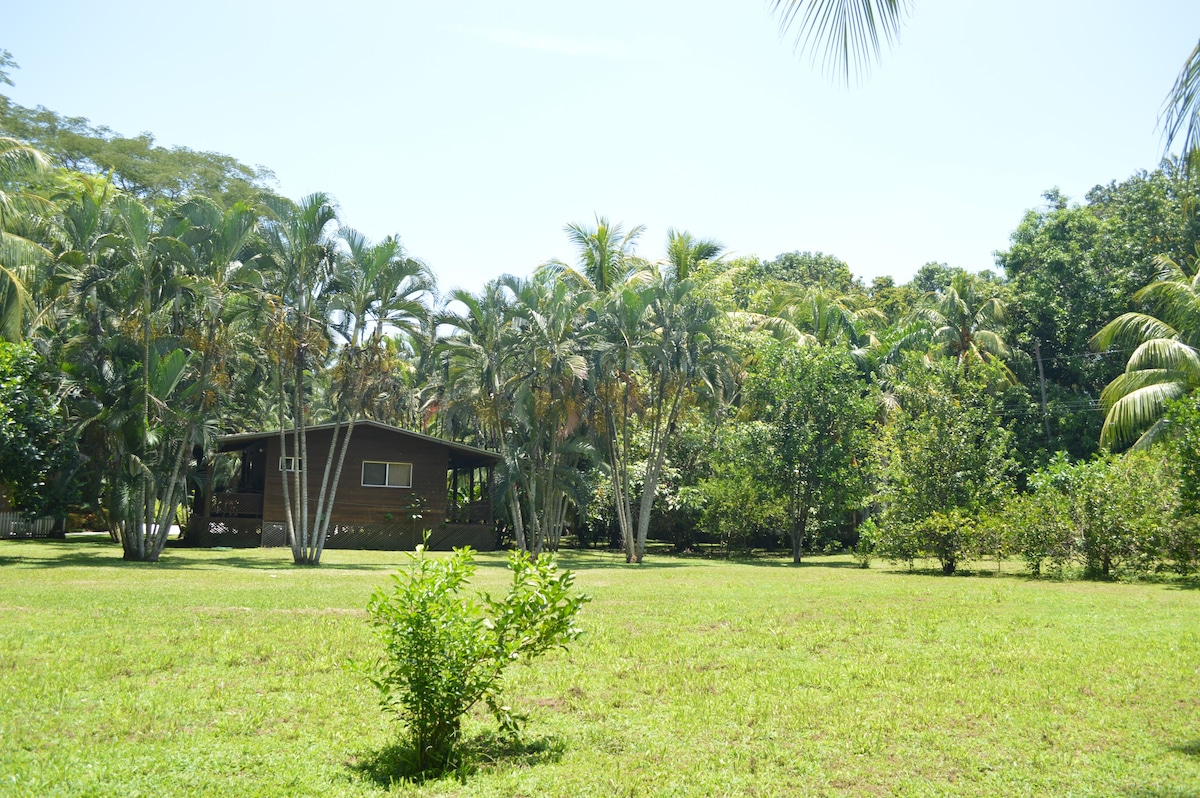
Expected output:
(219, 673)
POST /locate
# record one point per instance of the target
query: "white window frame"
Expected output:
(290, 463)
(386, 475)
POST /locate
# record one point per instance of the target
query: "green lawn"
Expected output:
(222, 673)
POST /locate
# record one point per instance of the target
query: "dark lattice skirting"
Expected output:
(236, 533)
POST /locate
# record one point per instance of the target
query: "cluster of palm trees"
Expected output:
(584, 362)
(176, 320)
(170, 321)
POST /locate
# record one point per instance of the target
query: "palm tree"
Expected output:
(962, 323)
(548, 335)
(373, 290)
(130, 367)
(223, 289)
(685, 252)
(297, 241)
(83, 222)
(1165, 363)
(20, 210)
(685, 362)
(812, 315)
(377, 288)
(605, 255)
(477, 363)
(624, 330)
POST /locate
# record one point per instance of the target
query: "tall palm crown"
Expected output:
(1165, 361)
(296, 236)
(685, 252)
(812, 315)
(605, 254)
(476, 368)
(377, 287)
(18, 162)
(964, 323)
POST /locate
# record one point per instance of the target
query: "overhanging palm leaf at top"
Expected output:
(1181, 112)
(1164, 364)
(847, 33)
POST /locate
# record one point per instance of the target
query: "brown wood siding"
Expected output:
(356, 503)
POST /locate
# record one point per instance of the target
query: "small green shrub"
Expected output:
(445, 652)
(948, 536)
(868, 539)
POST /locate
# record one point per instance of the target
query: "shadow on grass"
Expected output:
(786, 561)
(1191, 749)
(394, 764)
(967, 573)
(89, 554)
(591, 559)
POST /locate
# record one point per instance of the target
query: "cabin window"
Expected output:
(387, 475)
(290, 463)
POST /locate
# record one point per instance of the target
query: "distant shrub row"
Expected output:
(1112, 516)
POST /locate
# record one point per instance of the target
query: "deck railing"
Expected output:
(237, 505)
(470, 513)
(15, 525)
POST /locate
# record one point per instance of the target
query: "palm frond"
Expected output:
(1166, 353)
(1131, 328)
(846, 32)
(1139, 410)
(1181, 110)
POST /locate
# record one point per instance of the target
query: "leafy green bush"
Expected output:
(1041, 531)
(943, 462)
(739, 502)
(38, 452)
(1183, 446)
(948, 536)
(1111, 515)
(445, 652)
(868, 539)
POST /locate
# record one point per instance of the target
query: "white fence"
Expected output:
(14, 525)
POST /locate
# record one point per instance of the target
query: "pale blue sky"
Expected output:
(476, 130)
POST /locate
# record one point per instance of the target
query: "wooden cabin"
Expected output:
(394, 485)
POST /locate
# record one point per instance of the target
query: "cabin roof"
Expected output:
(461, 455)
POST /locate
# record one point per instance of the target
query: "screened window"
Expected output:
(387, 475)
(290, 463)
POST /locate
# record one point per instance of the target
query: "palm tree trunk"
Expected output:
(325, 511)
(289, 520)
(655, 457)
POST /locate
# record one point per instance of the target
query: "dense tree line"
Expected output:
(154, 298)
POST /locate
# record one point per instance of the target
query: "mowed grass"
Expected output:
(223, 673)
